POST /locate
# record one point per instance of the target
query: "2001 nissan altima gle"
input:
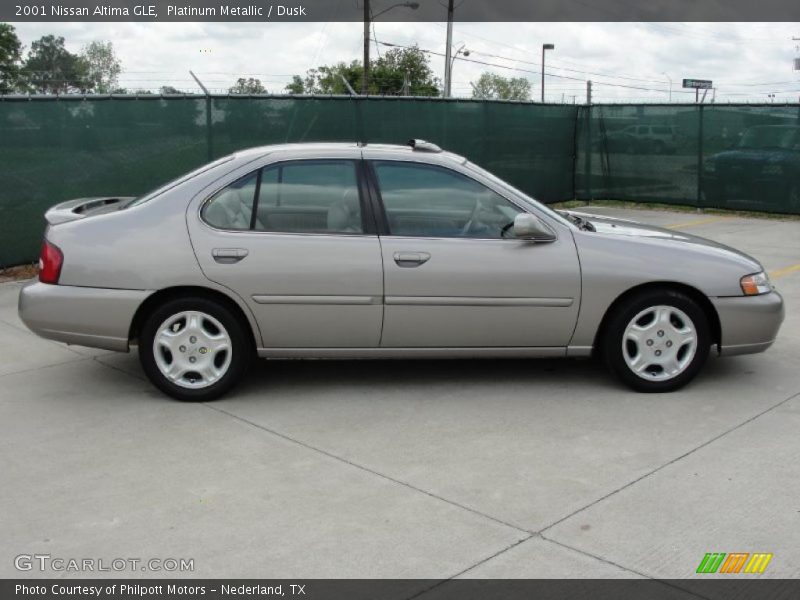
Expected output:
(345, 250)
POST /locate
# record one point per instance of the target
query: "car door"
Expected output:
(294, 241)
(454, 274)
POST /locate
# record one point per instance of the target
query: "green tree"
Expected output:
(403, 71)
(491, 86)
(327, 79)
(297, 86)
(103, 66)
(167, 90)
(398, 71)
(52, 69)
(247, 86)
(10, 57)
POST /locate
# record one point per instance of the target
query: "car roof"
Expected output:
(309, 148)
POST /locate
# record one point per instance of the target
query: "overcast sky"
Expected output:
(745, 61)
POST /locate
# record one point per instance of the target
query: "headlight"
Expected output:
(755, 284)
(772, 170)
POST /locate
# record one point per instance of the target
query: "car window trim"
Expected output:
(254, 204)
(367, 221)
(381, 207)
(375, 199)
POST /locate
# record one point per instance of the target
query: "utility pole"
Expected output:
(588, 92)
(664, 73)
(544, 48)
(448, 67)
(797, 58)
(365, 78)
(368, 18)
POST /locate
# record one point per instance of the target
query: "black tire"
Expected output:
(626, 311)
(241, 348)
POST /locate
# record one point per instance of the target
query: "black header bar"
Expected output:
(391, 10)
(743, 587)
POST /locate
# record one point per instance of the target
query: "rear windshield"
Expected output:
(163, 188)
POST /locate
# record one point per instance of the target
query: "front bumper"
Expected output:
(749, 323)
(95, 317)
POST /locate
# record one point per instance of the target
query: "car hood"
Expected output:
(624, 227)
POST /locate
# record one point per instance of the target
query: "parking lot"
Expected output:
(410, 469)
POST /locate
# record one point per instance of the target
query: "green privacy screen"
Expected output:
(741, 157)
(51, 150)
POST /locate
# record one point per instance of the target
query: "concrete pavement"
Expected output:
(410, 469)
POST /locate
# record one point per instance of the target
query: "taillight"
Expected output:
(50, 261)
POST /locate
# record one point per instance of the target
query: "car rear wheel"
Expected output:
(194, 349)
(657, 341)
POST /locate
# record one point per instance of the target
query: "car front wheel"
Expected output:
(194, 349)
(657, 341)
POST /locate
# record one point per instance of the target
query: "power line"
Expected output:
(567, 69)
(499, 66)
(607, 74)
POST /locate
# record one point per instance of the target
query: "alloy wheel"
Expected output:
(659, 343)
(192, 349)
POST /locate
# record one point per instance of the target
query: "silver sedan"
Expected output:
(379, 251)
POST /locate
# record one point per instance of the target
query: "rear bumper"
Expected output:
(749, 323)
(95, 317)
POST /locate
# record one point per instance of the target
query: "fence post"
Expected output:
(700, 136)
(360, 108)
(589, 193)
(209, 131)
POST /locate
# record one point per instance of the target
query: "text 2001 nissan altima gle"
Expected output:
(340, 250)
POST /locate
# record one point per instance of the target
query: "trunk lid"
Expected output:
(80, 208)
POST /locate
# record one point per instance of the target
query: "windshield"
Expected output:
(770, 137)
(520, 194)
(163, 188)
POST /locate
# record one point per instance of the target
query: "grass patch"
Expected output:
(19, 273)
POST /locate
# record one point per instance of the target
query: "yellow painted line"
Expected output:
(698, 222)
(785, 271)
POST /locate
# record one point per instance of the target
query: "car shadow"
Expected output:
(583, 375)
(312, 375)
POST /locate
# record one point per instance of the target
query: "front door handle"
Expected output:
(411, 259)
(228, 255)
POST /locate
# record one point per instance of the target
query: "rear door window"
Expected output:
(309, 197)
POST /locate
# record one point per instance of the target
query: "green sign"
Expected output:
(701, 84)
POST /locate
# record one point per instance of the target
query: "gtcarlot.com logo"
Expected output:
(735, 562)
(47, 562)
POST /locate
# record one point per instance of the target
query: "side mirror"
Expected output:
(529, 227)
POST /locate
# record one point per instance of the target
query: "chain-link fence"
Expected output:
(728, 156)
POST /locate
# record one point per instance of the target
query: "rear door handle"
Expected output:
(411, 259)
(228, 255)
